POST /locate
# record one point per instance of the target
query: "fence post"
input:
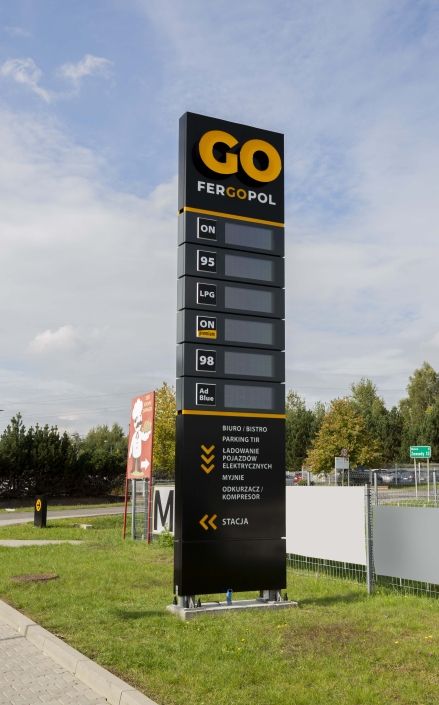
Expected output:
(145, 509)
(133, 509)
(375, 487)
(369, 540)
(435, 487)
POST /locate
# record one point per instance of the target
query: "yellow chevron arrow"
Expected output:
(207, 458)
(210, 522)
(206, 469)
(207, 450)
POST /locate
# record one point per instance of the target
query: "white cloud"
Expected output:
(63, 339)
(88, 284)
(15, 31)
(89, 65)
(26, 72)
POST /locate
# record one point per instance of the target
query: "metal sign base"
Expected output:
(216, 608)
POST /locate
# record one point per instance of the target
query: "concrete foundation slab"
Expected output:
(217, 608)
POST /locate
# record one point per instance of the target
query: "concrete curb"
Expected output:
(23, 543)
(101, 681)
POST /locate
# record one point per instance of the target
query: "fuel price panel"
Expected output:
(230, 297)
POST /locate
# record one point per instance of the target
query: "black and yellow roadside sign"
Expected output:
(230, 391)
(40, 511)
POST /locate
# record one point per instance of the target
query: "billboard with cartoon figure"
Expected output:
(139, 463)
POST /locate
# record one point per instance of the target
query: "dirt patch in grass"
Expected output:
(34, 577)
(326, 639)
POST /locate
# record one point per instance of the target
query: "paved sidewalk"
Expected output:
(38, 668)
(29, 677)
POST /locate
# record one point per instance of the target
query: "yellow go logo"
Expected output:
(245, 157)
(38, 505)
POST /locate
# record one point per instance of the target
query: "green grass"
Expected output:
(409, 503)
(340, 647)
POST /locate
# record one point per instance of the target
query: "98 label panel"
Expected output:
(230, 362)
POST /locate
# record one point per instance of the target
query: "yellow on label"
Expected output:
(206, 334)
(210, 139)
(38, 505)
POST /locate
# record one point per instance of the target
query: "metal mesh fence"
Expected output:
(364, 573)
(405, 586)
(407, 487)
(358, 573)
(329, 568)
(139, 509)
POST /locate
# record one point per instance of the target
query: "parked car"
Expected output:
(406, 477)
(397, 477)
(386, 477)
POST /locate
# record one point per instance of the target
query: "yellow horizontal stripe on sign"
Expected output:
(234, 217)
(206, 334)
(244, 414)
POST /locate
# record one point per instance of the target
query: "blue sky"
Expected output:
(90, 96)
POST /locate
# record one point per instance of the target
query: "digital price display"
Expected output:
(223, 232)
(194, 393)
(230, 265)
(242, 363)
(228, 297)
(229, 329)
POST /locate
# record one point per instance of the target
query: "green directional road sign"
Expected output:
(420, 451)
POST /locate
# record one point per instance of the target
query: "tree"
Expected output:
(53, 460)
(368, 403)
(391, 437)
(418, 408)
(301, 426)
(14, 459)
(102, 460)
(35, 460)
(342, 427)
(164, 432)
(376, 417)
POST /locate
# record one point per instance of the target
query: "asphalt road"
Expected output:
(9, 518)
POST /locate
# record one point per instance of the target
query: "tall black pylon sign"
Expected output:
(230, 454)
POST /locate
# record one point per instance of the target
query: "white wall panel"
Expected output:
(327, 522)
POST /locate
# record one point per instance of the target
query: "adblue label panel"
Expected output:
(194, 393)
